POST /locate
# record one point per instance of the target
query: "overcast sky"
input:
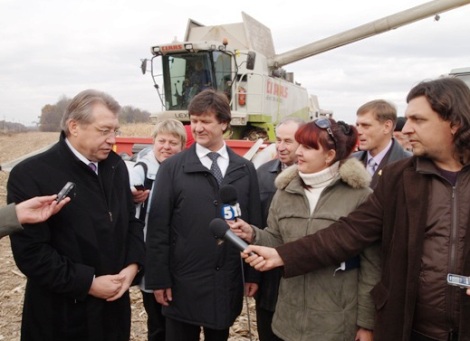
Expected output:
(53, 48)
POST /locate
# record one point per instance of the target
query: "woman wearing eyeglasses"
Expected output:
(332, 303)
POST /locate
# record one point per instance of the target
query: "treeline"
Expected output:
(51, 115)
(12, 127)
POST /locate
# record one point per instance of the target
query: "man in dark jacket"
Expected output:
(419, 210)
(80, 263)
(198, 282)
(286, 146)
(375, 123)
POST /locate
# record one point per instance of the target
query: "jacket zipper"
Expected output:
(453, 255)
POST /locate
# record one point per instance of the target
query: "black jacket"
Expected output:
(266, 297)
(182, 254)
(95, 234)
(267, 173)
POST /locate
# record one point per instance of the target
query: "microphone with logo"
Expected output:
(220, 229)
(230, 207)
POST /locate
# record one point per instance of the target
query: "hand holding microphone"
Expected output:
(242, 230)
(231, 213)
(220, 229)
(267, 259)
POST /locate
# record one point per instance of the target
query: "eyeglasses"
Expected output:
(324, 123)
(108, 132)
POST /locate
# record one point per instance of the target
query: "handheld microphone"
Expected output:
(221, 230)
(229, 197)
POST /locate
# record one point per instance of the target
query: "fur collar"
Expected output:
(351, 171)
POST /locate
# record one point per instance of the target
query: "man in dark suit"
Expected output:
(375, 123)
(198, 282)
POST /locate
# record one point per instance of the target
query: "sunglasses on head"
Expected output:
(324, 123)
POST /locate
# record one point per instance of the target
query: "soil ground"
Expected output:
(12, 281)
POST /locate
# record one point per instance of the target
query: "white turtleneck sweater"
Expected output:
(317, 182)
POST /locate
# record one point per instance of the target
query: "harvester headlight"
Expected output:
(156, 50)
(188, 46)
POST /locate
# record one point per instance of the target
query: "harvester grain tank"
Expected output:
(240, 59)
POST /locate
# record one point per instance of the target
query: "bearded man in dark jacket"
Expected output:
(80, 263)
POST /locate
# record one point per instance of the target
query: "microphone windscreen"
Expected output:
(218, 228)
(228, 194)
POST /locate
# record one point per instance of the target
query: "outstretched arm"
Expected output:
(263, 258)
(39, 209)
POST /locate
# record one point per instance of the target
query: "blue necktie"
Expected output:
(372, 166)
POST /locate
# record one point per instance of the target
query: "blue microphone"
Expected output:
(230, 207)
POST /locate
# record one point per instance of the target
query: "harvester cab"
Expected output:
(233, 59)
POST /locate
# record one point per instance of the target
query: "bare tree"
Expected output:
(129, 114)
(51, 114)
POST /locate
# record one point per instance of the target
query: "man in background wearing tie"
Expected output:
(375, 123)
(198, 282)
(81, 262)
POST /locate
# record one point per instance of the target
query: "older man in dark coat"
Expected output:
(80, 263)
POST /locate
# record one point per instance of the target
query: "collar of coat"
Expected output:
(108, 164)
(351, 172)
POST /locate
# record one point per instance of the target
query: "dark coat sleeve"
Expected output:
(135, 235)
(254, 218)
(266, 176)
(157, 275)
(255, 203)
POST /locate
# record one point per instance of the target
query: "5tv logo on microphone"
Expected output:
(231, 212)
(230, 207)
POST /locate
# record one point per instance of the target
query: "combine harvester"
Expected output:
(240, 60)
